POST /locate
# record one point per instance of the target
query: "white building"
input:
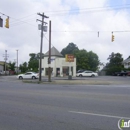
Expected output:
(2, 63)
(126, 63)
(58, 64)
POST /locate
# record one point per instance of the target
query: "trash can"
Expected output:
(70, 77)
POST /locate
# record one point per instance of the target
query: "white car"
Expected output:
(28, 75)
(87, 73)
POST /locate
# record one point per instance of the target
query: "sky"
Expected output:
(77, 21)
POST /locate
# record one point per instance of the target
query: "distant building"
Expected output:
(2, 67)
(126, 63)
(59, 66)
(2, 63)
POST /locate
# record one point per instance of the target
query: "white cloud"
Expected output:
(79, 27)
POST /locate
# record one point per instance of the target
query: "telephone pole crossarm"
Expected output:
(41, 21)
(43, 15)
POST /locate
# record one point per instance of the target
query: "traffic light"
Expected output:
(7, 22)
(1, 22)
(113, 38)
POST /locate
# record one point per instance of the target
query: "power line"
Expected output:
(77, 31)
(90, 9)
(4, 14)
(71, 12)
(62, 12)
(83, 12)
(19, 19)
(22, 22)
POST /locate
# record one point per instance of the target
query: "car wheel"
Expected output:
(80, 75)
(33, 77)
(20, 77)
(92, 75)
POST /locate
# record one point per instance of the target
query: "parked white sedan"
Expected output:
(87, 73)
(28, 75)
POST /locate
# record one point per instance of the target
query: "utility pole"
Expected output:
(49, 58)
(43, 16)
(5, 58)
(17, 61)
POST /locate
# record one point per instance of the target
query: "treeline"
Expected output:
(115, 64)
(84, 60)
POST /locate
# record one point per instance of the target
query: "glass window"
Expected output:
(28, 73)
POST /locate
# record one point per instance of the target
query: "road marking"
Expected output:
(94, 114)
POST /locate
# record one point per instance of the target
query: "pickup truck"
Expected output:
(123, 74)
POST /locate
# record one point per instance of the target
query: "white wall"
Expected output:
(127, 65)
(57, 62)
(1, 68)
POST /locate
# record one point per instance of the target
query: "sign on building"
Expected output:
(69, 58)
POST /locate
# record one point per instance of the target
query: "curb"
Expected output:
(70, 82)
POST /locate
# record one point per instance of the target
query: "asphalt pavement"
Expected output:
(31, 106)
(100, 80)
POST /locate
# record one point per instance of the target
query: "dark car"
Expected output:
(116, 74)
(123, 73)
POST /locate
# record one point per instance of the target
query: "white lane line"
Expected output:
(94, 114)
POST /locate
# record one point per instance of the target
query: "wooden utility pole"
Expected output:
(40, 69)
(49, 58)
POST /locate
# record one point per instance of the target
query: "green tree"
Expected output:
(86, 60)
(81, 59)
(69, 49)
(93, 61)
(23, 67)
(34, 61)
(11, 65)
(114, 64)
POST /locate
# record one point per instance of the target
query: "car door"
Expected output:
(88, 73)
(28, 75)
(85, 73)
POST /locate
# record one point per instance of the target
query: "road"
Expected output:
(26, 106)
